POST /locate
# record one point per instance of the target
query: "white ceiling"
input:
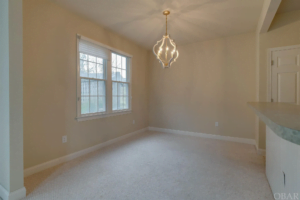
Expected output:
(288, 5)
(190, 20)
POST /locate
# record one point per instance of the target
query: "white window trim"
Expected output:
(109, 112)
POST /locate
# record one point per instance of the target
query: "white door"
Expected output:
(285, 75)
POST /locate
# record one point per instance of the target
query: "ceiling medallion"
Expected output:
(165, 49)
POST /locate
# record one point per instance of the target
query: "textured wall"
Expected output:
(210, 82)
(284, 31)
(50, 84)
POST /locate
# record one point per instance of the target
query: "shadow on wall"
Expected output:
(285, 19)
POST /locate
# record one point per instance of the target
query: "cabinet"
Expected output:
(282, 164)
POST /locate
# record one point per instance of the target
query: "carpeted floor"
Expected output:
(157, 166)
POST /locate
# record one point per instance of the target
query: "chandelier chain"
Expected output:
(166, 24)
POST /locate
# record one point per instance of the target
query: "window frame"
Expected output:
(108, 84)
(128, 74)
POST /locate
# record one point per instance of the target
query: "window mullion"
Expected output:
(89, 96)
(109, 85)
(97, 109)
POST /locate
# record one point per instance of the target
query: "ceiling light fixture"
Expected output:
(165, 49)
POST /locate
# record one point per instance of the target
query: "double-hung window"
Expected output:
(103, 80)
(120, 82)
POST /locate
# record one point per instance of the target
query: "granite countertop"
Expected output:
(282, 118)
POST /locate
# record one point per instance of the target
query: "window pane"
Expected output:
(85, 105)
(101, 104)
(115, 103)
(92, 58)
(119, 71)
(115, 89)
(120, 89)
(93, 88)
(101, 88)
(83, 56)
(114, 74)
(113, 60)
(119, 61)
(92, 70)
(126, 89)
(93, 104)
(123, 102)
(126, 106)
(85, 90)
(93, 91)
(119, 103)
(100, 72)
(99, 60)
(83, 69)
(124, 79)
(123, 62)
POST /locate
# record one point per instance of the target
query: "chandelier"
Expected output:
(165, 49)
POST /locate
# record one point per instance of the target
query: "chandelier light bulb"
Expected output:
(166, 57)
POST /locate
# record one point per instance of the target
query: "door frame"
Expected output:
(269, 67)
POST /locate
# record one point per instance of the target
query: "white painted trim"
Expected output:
(51, 163)
(267, 15)
(16, 195)
(256, 146)
(269, 72)
(205, 135)
(285, 48)
(269, 76)
(91, 117)
(4, 194)
(108, 85)
(261, 152)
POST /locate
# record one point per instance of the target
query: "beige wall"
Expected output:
(284, 31)
(50, 84)
(210, 82)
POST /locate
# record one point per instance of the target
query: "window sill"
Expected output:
(91, 117)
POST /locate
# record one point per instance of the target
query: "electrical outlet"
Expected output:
(133, 122)
(64, 139)
(216, 124)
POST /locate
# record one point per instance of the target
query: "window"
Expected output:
(92, 79)
(120, 82)
(103, 80)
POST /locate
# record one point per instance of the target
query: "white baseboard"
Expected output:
(16, 195)
(261, 152)
(205, 135)
(52, 163)
(256, 146)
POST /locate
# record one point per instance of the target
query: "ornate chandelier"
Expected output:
(165, 49)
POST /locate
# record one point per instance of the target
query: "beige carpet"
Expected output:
(157, 166)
